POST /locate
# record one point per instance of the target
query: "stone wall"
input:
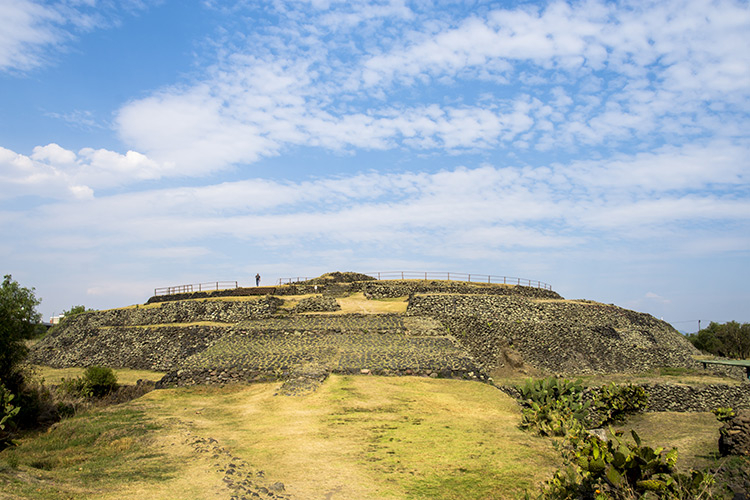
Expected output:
(147, 348)
(558, 336)
(183, 311)
(317, 303)
(692, 398)
(470, 332)
(401, 288)
(228, 292)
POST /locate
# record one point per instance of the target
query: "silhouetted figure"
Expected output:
(257, 279)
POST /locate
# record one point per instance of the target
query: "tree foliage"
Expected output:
(75, 310)
(18, 321)
(730, 339)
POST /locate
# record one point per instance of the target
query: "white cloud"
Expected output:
(692, 166)
(31, 30)
(55, 172)
(462, 211)
(26, 26)
(596, 74)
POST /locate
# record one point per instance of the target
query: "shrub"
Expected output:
(97, 381)
(612, 402)
(101, 380)
(7, 412)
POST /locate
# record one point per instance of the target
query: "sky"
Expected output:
(602, 147)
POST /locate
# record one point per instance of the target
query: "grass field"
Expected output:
(357, 437)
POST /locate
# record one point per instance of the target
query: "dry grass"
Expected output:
(54, 376)
(660, 376)
(695, 435)
(356, 438)
(355, 303)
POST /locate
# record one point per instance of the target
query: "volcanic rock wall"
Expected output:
(558, 336)
(473, 323)
(146, 348)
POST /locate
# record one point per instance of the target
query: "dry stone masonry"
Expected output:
(451, 329)
(734, 436)
(558, 336)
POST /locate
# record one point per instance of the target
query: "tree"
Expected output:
(707, 339)
(18, 320)
(729, 339)
(75, 310)
(736, 339)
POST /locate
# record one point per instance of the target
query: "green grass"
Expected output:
(80, 455)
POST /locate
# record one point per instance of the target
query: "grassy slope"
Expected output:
(357, 437)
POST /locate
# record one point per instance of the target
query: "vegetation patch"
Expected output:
(82, 456)
(605, 468)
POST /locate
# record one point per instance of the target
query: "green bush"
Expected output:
(7, 412)
(597, 469)
(97, 381)
(612, 402)
(101, 380)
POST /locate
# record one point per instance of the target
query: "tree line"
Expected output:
(728, 340)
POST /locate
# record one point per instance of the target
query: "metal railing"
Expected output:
(195, 287)
(289, 281)
(446, 276)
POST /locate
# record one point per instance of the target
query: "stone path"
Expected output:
(244, 481)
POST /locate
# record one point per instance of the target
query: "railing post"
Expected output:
(449, 276)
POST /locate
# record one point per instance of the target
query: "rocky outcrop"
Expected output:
(337, 277)
(734, 435)
(558, 336)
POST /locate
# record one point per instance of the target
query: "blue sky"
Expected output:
(599, 146)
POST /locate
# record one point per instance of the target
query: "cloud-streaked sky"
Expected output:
(599, 146)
